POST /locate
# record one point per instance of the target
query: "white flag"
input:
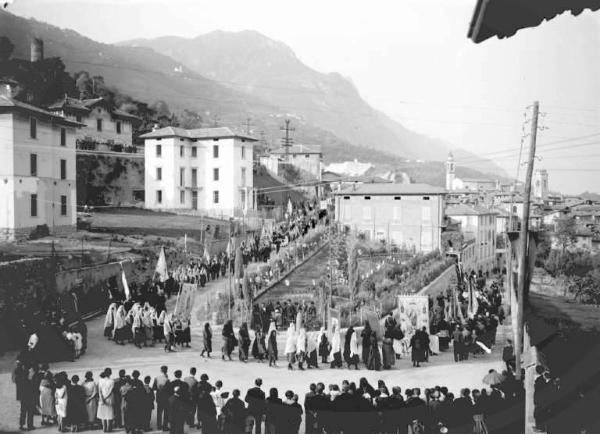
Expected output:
(125, 285)
(161, 265)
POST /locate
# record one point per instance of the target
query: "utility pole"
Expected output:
(287, 141)
(524, 238)
(248, 124)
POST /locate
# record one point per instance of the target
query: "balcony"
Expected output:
(92, 145)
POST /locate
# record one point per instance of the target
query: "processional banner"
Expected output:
(185, 301)
(413, 311)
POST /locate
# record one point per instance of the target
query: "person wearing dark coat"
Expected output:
(235, 414)
(244, 343)
(136, 401)
(259, 349)
(23, 379)
(272, 348)
(273, 407)
(374, 360)
(255, 397)
(229, 341)
(206, 340)
(205, 406)
(416, 410)
(349, 357)
(178, 411)
(462, 414)
(76, 410)
(162, 387)
(148, 403)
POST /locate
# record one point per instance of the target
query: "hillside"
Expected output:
(329, 109)
(255, 64)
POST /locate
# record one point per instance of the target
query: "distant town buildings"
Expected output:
(306, 158)
(478, 224)
(349, 168)
(405, 215)
(204, 169)
(37, 174)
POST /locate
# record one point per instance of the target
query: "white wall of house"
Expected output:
(56, 197)
(178, 163)
(108, 129)
(410, 221)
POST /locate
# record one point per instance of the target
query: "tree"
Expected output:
(6, 48)
(565, 233)
(190, 119)
(559, 263)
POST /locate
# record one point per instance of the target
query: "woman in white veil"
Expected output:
(109, 321)
(336, 349)
(290, 345)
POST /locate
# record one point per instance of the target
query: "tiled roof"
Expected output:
(458, 210)
(198, 133)
(68, 102)
(299, 149)
(391, 189)
(11, 104)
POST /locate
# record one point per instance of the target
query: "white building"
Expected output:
(105, 127)
(205, 169)
(37, 174)
(540, 184)
(306, 158)
(478, 224)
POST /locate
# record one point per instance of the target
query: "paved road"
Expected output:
(441, 370)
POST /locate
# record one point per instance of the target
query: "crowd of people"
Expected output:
(130, 399)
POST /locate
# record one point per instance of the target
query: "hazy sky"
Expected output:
(409, 58)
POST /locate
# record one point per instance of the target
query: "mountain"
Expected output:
(232, 76)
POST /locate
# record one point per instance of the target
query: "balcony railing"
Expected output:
(89, 144)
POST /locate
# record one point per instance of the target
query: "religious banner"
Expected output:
(185, 301)
(374, 322)
(161, 266)
(413, 311)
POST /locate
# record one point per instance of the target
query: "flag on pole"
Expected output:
(206, 254)
(161, 265)
(290, 206)
(125, 285)
(229, 248)
(185, 242)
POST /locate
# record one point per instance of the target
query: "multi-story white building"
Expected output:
(478, 224)
(405, 215)
(205, 169)
(37, 174)
(105, 127)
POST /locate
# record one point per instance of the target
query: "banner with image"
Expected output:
(185, 301)
(413, 312)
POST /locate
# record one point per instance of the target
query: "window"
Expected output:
(78, 118)
(426, 214)
(98, 124)
(243, 176)
(63, 169)
(182, 196)
(33, 128)
(215, 174)
(182, 177)
(366, 213)
(63, 205)
(307, 156)
(194, 177)
(243, 152)
(397, 214)
(118, 127)
(33, 164)
(367, 197)
(215, 151)
(33, 205)
(216, 196)
(194, 152)
(181, 151)
(158, 196)
(243, 198)
(63, 137)
(158, 150)
(159, 173)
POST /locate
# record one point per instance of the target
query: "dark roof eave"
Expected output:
(54, 118)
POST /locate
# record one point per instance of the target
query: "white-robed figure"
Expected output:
(336, 349)
(312, 345)
(168, 332)
(272, 327)
(120, 325)
(354, 354)
(109, 321)
(148, 324)
(301, 348)
(290, 345)
(137, 328)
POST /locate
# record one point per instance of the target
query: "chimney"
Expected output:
(37, 50)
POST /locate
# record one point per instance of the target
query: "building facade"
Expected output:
(37, 174)
(478, 224)
(306, 158)
(208, 170)
(405, 215)
(540, 184)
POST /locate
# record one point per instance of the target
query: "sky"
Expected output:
(411, 59)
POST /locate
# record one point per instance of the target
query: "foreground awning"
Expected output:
(503, 18)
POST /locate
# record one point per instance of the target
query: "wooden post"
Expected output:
(524, 238)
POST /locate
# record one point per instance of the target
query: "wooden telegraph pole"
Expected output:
(524, 238)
